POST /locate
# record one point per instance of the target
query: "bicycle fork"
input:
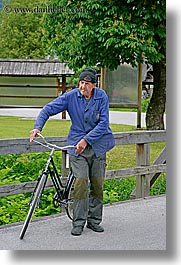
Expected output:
(43, 174)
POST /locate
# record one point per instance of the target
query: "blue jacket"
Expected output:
(89, 120)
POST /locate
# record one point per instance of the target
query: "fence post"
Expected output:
(65, 163)
(142, 181)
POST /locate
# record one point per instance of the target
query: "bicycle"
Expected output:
(63, 196)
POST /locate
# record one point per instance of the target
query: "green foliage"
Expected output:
(159, 187)
(118, 189)
(144, 104)
(23, 168)
(21, 32)
(15, 208)
(109, 32)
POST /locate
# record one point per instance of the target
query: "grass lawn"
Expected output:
(119, 156)
(15, 127)
(123, 109)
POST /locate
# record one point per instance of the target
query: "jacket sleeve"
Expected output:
(54, 107)
(103, 125)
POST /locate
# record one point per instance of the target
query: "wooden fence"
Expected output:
(145, 173)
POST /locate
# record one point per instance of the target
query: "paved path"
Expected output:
(117, 117)
(130, 225)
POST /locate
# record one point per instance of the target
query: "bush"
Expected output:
(23, 168)
(144, 104)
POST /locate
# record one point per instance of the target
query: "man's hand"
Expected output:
(80, 147)
(33, 134)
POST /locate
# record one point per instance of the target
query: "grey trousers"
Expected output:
(89, 172)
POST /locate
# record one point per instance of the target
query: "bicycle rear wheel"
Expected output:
(33, 204)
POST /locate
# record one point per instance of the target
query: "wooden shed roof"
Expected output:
(30, 67)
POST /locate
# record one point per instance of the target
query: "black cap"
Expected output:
(89, 75)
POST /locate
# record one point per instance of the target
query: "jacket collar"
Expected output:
(96, 94)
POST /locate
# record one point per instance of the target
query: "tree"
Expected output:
(112, 32)
(21, 30)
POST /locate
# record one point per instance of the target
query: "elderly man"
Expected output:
(88, 109)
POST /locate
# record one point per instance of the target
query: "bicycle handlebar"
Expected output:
(51, 146)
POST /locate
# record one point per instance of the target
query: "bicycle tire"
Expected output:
(70, 199)
(33, 205)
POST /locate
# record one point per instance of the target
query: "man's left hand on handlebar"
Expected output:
(80, 147)
(33, 134)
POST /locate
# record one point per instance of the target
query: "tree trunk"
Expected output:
(156, 108)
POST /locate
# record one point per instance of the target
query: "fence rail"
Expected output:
(145, 173)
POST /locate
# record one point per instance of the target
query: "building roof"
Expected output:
(30, 67)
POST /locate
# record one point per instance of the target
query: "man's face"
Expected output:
(86, 88)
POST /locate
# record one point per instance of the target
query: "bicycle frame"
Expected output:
(61, 190)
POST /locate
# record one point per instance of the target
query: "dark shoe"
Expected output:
(77, 230)
(95, 227)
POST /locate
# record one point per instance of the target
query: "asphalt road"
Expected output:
(131, 225)
(117, 117)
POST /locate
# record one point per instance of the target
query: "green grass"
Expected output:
(15, 127)
(25, 167)
(123, 109)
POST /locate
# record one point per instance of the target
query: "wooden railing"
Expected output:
(145, 173)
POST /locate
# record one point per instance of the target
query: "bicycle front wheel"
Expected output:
(70, 199)
(33, 204)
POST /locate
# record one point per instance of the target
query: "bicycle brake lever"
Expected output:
(45, 142)
(40, 135)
